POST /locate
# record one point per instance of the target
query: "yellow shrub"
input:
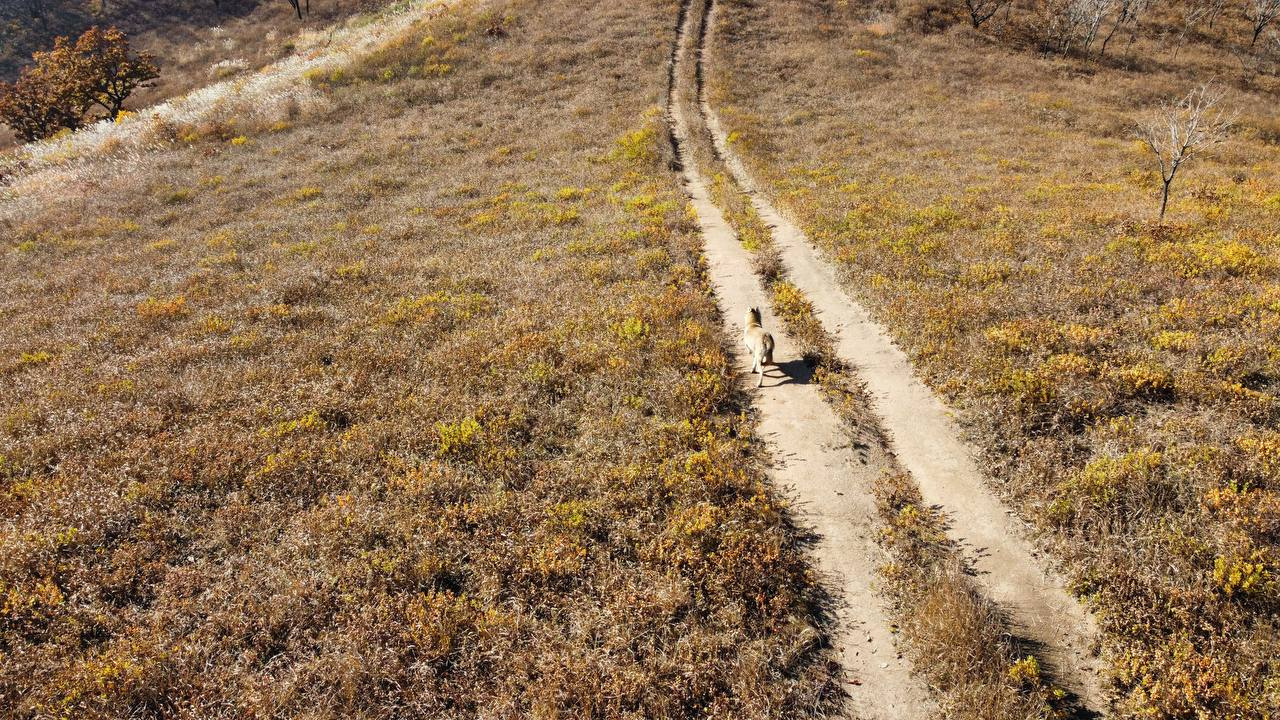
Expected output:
(1102, 480)
(246, 341)
(221, 239)
(1025, 671)
(640, 146)
(1066, 364)
(572, 193)
(791, 303)
(632, 329)
(215, 325)
(456, 438)
(1008, 336)
(1264, 450)
(1145, 379)
(1173, 340)
(310, 421)
(354, 270)
(157, 309)
(1026, 387)
(570, 515)
(696, 520)
(1240, 575)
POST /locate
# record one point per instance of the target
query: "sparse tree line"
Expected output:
(1088, 27)
(1081, 24)
(78, 83)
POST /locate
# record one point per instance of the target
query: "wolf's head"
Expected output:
(753, 317)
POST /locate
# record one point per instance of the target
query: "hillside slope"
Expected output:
(412, 403)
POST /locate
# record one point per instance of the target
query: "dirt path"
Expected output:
(813, 456)
(928, 444)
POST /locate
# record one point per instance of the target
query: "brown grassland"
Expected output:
(416, 405)
(992, 205)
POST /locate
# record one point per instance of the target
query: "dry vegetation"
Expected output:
(995, 207)
(415, 406)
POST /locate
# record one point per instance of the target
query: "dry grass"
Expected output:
(414, 407)
(1119, 374)
(957, 637)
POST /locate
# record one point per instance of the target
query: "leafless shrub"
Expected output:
(1195, 13)
(1261, 58)
(1181, 130)
(929, 16)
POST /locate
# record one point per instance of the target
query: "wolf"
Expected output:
(759, 343)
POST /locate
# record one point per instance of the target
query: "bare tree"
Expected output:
(298, 7)
(1260, 13)
(1181, 130)
(1196, 12)
(1064, 24)
(981, 11)
(1213, 10)
(1128, 14)
(1078, 21)
(1092, 13)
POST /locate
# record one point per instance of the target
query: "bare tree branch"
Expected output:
(1179, 131)
(1260, 13)
(1075, 22)
(981, 11)
(1128, 13)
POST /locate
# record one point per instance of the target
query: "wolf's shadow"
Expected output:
(798, 371)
